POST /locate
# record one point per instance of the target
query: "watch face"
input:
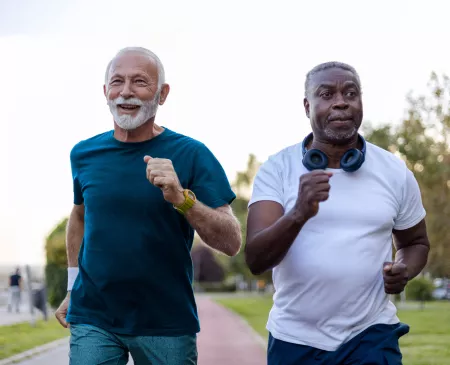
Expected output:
(191, 194)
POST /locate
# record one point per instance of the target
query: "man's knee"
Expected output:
(92, 345)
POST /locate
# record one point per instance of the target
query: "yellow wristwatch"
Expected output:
(189, 201)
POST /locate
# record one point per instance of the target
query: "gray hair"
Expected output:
(145, 52)
(327, 66)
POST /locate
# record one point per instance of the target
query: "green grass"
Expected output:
(428, 342)
(17, 338)
(254, 309)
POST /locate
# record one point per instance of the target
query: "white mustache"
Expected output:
(131, 101)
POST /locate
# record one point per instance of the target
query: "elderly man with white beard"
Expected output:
(140, 191)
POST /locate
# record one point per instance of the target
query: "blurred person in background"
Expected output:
(15, 288)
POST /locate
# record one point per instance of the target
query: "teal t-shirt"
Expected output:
(135, 265)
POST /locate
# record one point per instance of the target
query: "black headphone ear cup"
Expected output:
(352, 160)
(315, 160)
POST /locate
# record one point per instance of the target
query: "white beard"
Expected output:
(337, 136)
(146, 111)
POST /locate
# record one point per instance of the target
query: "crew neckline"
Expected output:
(164, 133)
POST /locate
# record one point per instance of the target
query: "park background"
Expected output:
(236, 70)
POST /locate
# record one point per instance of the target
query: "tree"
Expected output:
(243, 186)
(244, 179)
(422, 141)
(56, 266)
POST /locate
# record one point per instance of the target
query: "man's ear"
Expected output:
(104, 90)
(306, 105)
(165, 89)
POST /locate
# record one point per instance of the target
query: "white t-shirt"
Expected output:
(329, 286)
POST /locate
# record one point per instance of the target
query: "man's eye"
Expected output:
(325, 94)
(351, 93)
(115, 82)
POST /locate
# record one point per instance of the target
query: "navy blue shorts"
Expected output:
(377, 345)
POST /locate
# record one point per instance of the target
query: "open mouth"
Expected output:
(128, 107)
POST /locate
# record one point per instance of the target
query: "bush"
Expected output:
(56, 280)
(419, 289)
(56, 268)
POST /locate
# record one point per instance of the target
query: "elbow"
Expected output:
(252, 262)
(235, 242)
(234, 248)
(255, 270)
(232, 252)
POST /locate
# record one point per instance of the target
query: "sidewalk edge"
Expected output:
(258, 338)
(34, 351)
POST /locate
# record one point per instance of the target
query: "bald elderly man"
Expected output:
(140, 191)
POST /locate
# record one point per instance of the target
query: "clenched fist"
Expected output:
(160, 172)
(313, 189)
(61, 312)
(395, 276)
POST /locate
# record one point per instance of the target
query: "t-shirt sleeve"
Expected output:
(268, 184)
(77, 192)
(209, 181)
(411, 209)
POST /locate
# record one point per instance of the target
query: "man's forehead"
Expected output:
(134, 61)
(333, 75)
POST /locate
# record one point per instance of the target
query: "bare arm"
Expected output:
(218, 228)
(270, 234)
(412, 246)
(74, 235)
(74, 238)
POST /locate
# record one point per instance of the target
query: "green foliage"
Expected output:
(422, 140)
(56, 266)
(55, 245)
(242, 185)
(56, 278)
(244, 179)
(420, 289)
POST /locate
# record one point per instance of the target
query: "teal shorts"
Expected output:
(91, 345)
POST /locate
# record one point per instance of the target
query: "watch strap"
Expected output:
(189, 201)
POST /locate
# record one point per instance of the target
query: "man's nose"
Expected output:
(340, 102)
(127, 91)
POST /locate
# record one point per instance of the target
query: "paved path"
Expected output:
(56, 356)
(24, 315)
(224, 340)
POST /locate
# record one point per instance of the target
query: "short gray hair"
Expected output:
(145, 52)
(327, 66)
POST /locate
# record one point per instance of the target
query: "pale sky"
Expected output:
(236, 70)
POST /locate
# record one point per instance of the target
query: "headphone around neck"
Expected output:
(317, 160)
